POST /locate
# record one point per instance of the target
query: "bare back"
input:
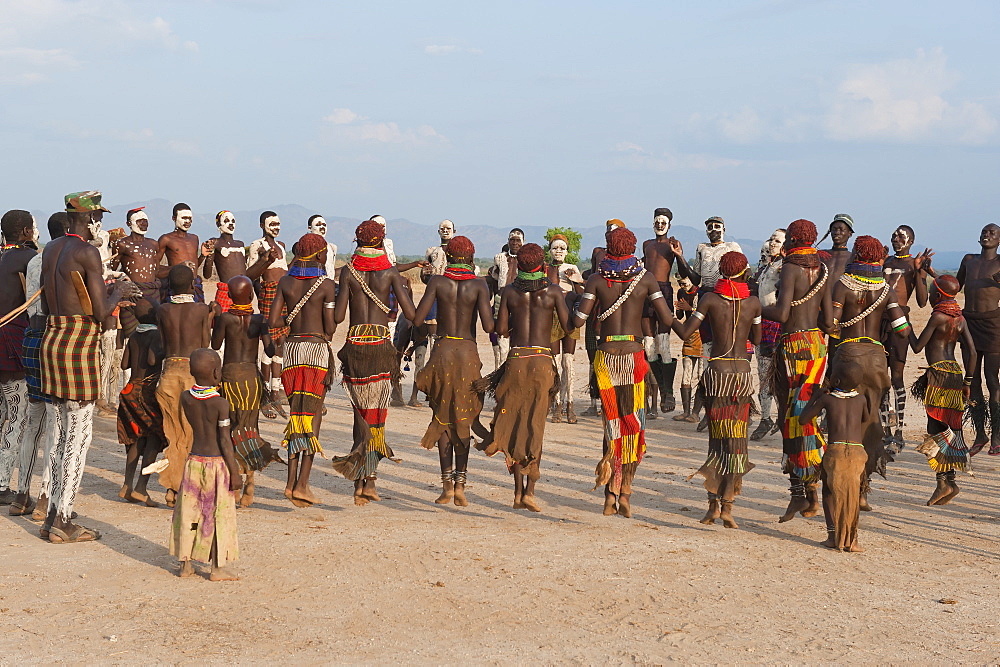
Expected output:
(60, 259)
(627, 318)
(460, 303)
(527, 316)
(185, 327)
(13, 268)
(363, 310)
(313, 317)
(242, 338)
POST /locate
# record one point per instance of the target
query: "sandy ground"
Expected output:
(408, 580)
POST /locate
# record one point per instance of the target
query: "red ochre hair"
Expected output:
(370, 233)
(621, 242)
(309, 245)
(530, 257)
(802, 233)
(869, 249)
(733, 264)
(460, 246)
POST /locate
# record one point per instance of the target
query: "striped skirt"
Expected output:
(940, 390)
(369, 363)
(243, 388)
(305, 377)
(728, 399)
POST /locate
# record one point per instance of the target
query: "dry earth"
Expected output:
(408, 580)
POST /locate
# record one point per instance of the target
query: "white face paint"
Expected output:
(775, 242)
(183, 220)
(272, 226)
(226, 223)
(95, 231)
(34, 231)
(318, 226)
(139, 223)
(559, 250)
(661, 225)
(446, 230)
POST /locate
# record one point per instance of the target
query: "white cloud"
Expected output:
(22, 65)
(342, 117)
(110, 25)
(448, 49)
(633, 157)
(356, 127)
(142, 139)
(904, 100)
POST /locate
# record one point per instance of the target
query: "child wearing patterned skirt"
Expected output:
(204, 523)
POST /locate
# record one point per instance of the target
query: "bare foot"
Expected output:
(829, 543)
(447, 494)
(712, 514)
(359, 488)
(795, 505)
(460, 500)
(136, 497)
(304, 495)
(726, 514)
(368, 490)
(530, 504)
(518, 502)
(610, 504)
(222, 574)
(246, 499)
(170, 498)
(940, 492)
(854, 549)
(863, 505)
(125, 492)
(624, 506)
(952, 492)
(187, 569)
(296, 501)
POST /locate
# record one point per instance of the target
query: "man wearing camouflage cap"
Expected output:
(76, 302)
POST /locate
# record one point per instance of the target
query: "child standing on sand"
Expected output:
(204, 525)
(844, 461)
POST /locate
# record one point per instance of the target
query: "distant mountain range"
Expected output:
(411, 238)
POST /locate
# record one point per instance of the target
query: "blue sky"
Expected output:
(562, 113)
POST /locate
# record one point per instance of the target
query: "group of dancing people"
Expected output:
(93, 302)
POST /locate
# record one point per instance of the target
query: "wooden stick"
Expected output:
(20, 309)
(81, 292)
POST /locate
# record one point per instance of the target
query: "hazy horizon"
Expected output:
(554, 114)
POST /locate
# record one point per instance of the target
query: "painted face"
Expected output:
(183, 220)
(446, 230)
(318, 226)
(272, 226)
(990, 236)
(840, 233)
(661, 225)
(901, 240)
(34, 231)
(514, 242)
(94, 226)
(775, 242)
(685, 283)
(715, 230)
(559, 250)
(226, 222)
(139, 223)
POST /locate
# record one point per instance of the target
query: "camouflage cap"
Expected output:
(84, 202)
